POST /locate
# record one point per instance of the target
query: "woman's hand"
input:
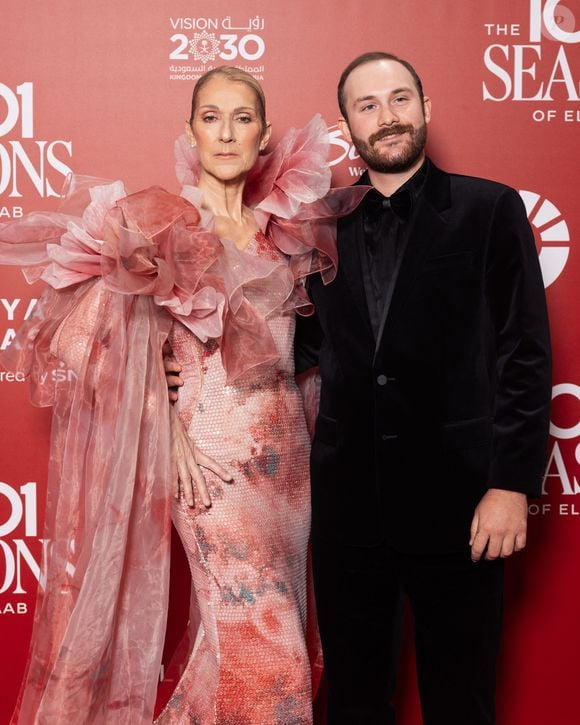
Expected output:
(187, 459)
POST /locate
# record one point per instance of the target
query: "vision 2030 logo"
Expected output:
(205, 45)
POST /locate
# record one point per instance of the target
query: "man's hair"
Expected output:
(369, 58)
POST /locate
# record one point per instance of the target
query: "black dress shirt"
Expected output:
(386, 222)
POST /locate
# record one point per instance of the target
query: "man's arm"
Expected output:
(517, 307)
(172, 372)
(307, 343)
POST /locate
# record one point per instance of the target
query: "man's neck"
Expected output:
(388, 183)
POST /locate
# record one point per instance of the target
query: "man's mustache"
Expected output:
(390, 131)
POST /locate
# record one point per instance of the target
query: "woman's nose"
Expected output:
(226, 133)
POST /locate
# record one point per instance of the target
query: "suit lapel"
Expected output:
(349, 237)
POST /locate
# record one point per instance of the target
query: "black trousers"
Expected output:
(457, 611)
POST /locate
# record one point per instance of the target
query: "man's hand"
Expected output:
(188, 479)
(499, 524)
(172, 370)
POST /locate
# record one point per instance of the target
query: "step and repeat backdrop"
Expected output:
(103, 88)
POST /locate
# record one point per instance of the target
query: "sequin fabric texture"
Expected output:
(249, 664)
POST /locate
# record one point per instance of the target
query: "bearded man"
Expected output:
(434, 358)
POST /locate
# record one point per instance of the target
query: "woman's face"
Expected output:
(227, 129)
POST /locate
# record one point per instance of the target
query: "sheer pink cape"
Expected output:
(119, 269)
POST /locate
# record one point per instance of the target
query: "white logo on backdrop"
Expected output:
(564, 456)
(24, 157)
(19, 552)
(555, 20)
(530, 69)
(240, 44)
(342, 150)
(552, 232)
(204, 46)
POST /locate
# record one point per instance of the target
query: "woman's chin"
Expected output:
(228, 175)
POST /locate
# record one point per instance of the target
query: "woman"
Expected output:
(214, 271)
(248, 551)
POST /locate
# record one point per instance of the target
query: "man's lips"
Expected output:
(390, 134)
(391, 137)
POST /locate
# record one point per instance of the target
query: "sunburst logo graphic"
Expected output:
(552, 235)
(204, 46)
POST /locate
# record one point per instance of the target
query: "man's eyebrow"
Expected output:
(364, 98)
(402, 89)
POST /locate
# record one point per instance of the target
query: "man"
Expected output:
(434, 359)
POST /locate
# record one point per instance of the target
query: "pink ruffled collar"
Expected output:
(294, 173)
(158, 244)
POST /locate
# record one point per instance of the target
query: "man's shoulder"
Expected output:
(474, 185)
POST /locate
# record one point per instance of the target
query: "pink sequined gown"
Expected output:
(247, 554)
(123, 273)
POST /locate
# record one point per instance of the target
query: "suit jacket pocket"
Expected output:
(466, 433)
(452, 261)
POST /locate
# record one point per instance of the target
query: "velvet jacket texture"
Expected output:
(453, 397)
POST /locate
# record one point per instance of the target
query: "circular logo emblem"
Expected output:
(204, 46)
(551, 232)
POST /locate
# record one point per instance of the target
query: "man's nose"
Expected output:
(387, 116)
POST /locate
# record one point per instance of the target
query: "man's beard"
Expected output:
(401, 160)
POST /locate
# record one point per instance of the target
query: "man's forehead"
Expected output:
(378, 76)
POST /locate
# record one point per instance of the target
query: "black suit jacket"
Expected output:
(453, 397)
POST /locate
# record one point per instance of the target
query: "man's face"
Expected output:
(387, 122)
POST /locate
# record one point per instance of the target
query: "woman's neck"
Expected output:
(223, 198)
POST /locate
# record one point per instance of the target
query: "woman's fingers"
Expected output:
(187, 459)
(198, 479)
(175, 475)
(214, 466)
(184, 474)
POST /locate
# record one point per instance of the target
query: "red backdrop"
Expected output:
(104, 87)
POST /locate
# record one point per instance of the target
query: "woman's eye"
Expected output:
(208, 118)
(245, 119)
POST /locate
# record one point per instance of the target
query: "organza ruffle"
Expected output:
(289, 192)
(158, 244)
(102, 600)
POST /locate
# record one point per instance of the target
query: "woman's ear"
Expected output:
(189, 134)
(266, 136)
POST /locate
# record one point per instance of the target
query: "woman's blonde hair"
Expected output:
(235, 75)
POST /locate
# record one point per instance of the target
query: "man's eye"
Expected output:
(368, 107)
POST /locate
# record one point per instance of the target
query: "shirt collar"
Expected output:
(404, 198)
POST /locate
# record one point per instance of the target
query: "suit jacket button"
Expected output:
(382, 380)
